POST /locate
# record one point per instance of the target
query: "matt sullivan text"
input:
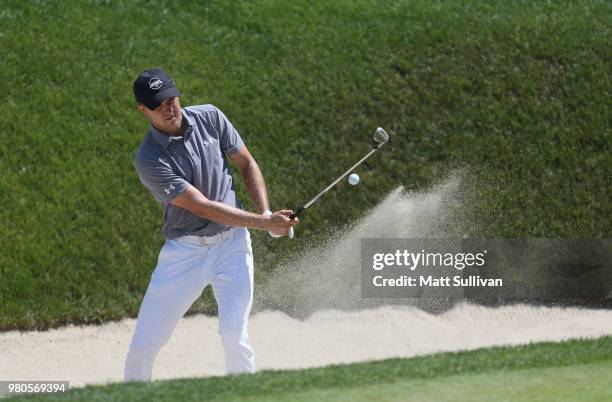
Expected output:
(444, 281)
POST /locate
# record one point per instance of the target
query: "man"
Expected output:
(182, 162)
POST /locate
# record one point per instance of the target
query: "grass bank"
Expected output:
(514, 92)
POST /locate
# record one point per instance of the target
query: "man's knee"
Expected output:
(146, 347)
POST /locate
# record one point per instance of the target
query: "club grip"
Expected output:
(296, 213)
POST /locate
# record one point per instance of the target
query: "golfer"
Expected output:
(182, 161)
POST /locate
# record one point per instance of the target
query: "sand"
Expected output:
(95, 354)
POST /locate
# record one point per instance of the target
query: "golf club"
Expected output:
(378, 140)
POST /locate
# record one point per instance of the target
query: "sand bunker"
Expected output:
(95, 354)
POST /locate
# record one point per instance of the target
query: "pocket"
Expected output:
(165, 252)
(175, 260)
(173, 249)
(246, 240)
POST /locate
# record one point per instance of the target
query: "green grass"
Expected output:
(574, 370)
(515, 93)
(587, 382)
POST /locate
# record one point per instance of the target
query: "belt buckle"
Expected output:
(206, 240)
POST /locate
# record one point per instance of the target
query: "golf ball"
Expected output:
(353, 179)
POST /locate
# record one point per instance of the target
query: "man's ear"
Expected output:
(142, 108)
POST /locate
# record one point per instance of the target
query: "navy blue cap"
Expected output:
(152, 87)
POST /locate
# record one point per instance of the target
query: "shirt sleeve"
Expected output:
(229, 139)
(159, 178)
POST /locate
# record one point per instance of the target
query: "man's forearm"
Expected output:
(227, 215)
(193, 201)
(256, 186)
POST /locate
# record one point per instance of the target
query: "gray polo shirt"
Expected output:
(167, 166)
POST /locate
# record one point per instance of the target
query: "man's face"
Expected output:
(167, 117)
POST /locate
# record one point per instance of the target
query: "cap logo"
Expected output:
(155, 83)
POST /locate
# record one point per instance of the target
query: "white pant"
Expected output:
(183, 271)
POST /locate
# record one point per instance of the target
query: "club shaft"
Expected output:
(309, 203)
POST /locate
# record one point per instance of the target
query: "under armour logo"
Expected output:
(169, 189)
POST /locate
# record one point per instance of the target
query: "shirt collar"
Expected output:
(165, 139)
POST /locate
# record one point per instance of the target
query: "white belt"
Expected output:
(208, 239)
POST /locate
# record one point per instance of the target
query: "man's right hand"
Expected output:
(278, 223)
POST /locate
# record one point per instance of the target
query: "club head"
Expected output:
(380, 137)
